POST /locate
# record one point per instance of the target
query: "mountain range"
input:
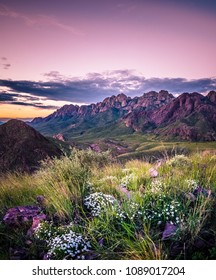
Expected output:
(190, 116)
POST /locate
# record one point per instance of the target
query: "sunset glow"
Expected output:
(72, 42)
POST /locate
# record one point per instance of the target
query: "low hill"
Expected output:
(22, 147)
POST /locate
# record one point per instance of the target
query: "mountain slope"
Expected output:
(22, 147)
(187, 117)
(190, 116)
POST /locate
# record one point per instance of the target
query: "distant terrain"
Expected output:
(141, 127)
(188, 117)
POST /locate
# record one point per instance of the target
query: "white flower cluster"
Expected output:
(192, 184)
(128, 179)
(156, 186)
(133, 210)
(98, 202)
(43, 231)
(164, 211)
(68, 246)
(62, 242)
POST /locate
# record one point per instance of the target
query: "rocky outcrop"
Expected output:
(212, 96)
(187, 117)
(169, 230)
(179, 108)
(59, 136)
(23, 216)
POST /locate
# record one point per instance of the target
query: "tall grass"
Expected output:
(66, 182)
(63, 183)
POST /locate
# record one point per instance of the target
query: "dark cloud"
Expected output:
(4, 97)
(37, 105)
(96, 86)
(14, 99)
(180, 85)
(3, 58)
(74, 91)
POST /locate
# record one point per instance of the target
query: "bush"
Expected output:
(179, 161)
(63, 242)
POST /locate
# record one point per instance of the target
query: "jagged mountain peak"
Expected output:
(120, 101)
(212, 96)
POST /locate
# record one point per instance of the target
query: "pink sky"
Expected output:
(154, 38)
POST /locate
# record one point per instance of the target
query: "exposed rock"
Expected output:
(169, 231)
(59, 136)
(153, 173)
(159, 162)
(23, 216)
(200, 243)
(124, 190)
(206, 192)
(35, 223)
(109, 110)
(95, 147)
(192, 196)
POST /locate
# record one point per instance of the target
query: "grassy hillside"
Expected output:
(127, 145)
(99, 208)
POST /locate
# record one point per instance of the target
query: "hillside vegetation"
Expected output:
(98, 208)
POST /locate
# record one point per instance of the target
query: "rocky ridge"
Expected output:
(190, 116)
(147, 101)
